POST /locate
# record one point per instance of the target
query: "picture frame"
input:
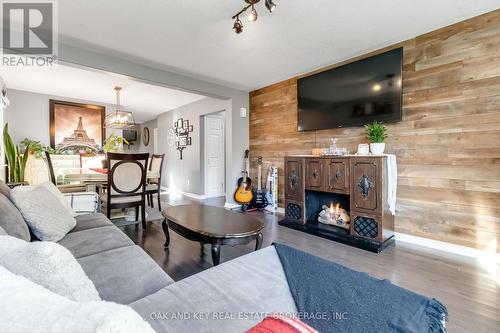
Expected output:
(190, 128)
(76, 125)
(183, 141)
(180, 122)
(188, 142)
(185, 124)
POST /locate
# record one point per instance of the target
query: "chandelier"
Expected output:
(119, 119)
(252, 16)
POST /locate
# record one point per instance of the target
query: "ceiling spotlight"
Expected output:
(238, 26)
(270, 5)
(252, 17)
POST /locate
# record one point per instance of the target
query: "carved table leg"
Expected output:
(216, 253)
(165, 230)
(258, 241)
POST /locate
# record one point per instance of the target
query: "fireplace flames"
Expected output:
(334, 215)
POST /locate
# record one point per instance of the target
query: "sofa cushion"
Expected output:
(91, 241)
(124, 275)
(58, 194)
(12, 221)
(2, 232)
(249, 285)
(91, 221)
(50, 265)
(28, 307)
(47, 218)
(4, 190)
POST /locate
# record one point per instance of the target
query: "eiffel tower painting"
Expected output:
(79, 138)
(76, 126)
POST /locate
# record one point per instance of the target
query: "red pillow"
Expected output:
(281, 324)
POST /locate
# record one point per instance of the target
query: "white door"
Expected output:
(214, 156)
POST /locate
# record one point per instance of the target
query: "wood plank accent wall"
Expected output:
(448, 144)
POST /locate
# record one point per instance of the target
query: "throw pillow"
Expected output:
(9, 243)
(281, 324)
(52, 266)
(55, 191)
(44, 213)
(4, 189)
(28, 307)
(2, 232)
(11, 220)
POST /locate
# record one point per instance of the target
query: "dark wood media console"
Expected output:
(358, 182)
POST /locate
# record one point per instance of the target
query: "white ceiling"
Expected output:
(196, 38)
(146, 101)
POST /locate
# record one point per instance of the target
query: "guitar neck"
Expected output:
(259, 176)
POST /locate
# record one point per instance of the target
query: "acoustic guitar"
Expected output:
(243, 194)
(259, 197)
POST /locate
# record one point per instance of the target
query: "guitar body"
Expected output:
(259, 196)
(243, 194)
(259, 199)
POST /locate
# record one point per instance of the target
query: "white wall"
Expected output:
(29, 117)
(186, 175)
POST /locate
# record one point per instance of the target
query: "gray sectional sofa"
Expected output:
(231, 297)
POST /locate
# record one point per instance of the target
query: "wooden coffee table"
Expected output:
(212, 225)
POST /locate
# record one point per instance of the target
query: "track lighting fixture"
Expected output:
(270, 5)
(252, 16)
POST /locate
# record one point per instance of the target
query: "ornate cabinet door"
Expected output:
(367, 185)
(294, 178)
(314, 174)
(337, 175)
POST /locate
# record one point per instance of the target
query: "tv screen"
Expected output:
(352, 95)
(130, 135)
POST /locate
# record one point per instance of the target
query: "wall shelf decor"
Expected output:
(182, 138)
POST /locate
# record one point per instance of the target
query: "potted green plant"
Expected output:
(16, 161)
(112, 144)
(376, 134)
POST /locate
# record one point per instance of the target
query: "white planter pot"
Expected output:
(377, 148)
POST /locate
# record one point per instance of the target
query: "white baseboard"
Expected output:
(446, 247)
(231, 205)
(166, 190)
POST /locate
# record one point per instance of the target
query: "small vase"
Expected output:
(377, 148)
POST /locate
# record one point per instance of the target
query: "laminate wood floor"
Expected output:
(469, 288)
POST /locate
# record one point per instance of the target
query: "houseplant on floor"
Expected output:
(376, 134)
(16, 161)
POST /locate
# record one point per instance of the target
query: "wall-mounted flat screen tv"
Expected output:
(352, 95)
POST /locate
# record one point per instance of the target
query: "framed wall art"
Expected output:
(181, 130)
(76, 126)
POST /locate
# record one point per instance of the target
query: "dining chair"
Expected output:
(64, 188)
(154, 184)
(126, 183)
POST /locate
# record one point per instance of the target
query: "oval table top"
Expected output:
(213, 221)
